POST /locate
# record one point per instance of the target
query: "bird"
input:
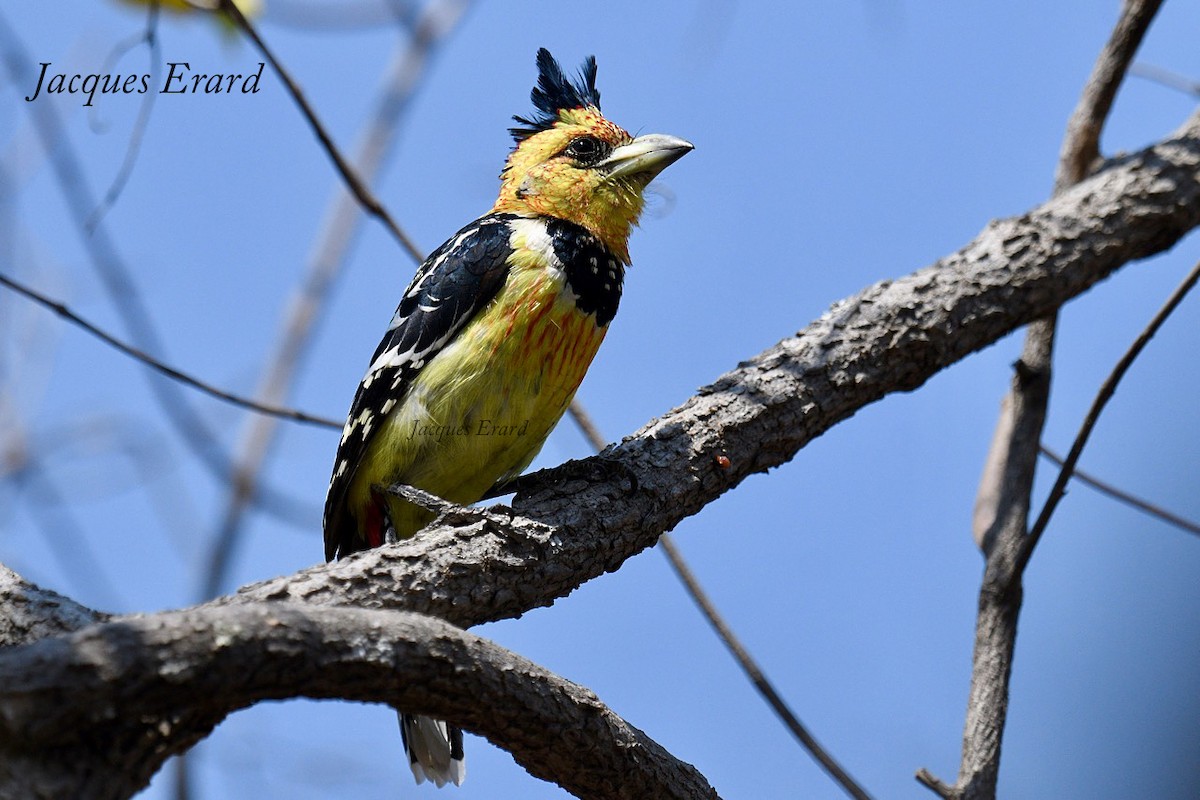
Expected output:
(493, 336)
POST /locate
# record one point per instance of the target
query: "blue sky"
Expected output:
(836, 145)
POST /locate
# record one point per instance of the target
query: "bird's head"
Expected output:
(572, 163)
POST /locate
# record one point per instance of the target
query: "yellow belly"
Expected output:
(482, 408)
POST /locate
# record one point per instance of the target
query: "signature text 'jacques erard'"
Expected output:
(180, 79)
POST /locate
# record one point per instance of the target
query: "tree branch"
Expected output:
(750, 668)
(66, 724)
(1081, 145)
(1165, 77)
(1002, 506)
(354, 183)
(1107, 389)
(1121, 496)
(159, 366)
(585, 518)
(32, 613)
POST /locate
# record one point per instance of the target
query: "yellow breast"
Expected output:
(482, 408)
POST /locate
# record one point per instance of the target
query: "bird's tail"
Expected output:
(434, 749)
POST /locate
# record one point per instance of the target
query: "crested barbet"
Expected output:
(493, 337)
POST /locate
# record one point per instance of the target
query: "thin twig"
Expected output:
(1165, 77)
(121, 288)
(134, 147)
(355, 184)
(585, 424)
(1122, 496)
(1107, 389)
(755, 673)
(740, 654)
(171, 372)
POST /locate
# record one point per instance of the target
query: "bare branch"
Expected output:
(1003, 502)
(1008, 471)
(150, 37)
(1000, 592)
(65, 723)
(119, 284)
(365, 196)
(32, 613)
(1122, 496)
(757, 677)
(585, 518)
(1107, 389)
(891, 337)
(583, 420)
(1167, 78)
(725, 633)
(1081, 146)
(65, 537)
(158, 366)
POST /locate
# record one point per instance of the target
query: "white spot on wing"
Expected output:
(431, 267)
(366, 419)
(388, 358)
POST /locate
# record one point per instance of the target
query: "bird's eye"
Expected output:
(587, 150)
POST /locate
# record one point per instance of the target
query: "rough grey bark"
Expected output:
(1001, 590)
(587, 517)
(1005, 493)
(30, 613)
(93, 714)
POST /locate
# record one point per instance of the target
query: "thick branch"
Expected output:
(31, 613)
(589, 516)
(65, 723)
(1002, 505)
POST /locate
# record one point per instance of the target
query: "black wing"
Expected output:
(451, 287)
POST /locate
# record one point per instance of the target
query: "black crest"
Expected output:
(555, 92)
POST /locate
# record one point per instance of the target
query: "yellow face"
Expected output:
(568, 172)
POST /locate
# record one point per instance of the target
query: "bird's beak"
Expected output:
(645, 156)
